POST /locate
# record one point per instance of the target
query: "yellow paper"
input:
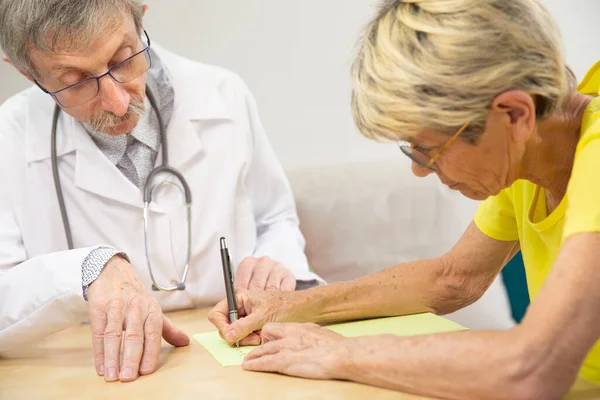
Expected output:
(225, 354)
(408, 325)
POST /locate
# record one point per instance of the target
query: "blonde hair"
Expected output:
(436, 64)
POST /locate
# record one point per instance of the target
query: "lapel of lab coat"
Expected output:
(196, 98)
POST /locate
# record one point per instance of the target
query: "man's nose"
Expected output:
(114, 98)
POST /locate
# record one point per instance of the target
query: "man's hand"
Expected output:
(119, 303)
(263, 274)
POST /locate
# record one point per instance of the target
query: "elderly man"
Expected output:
(86, 226)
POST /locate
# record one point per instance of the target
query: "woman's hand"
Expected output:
(256, 309)
(304, 350)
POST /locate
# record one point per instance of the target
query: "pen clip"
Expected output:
(230, 270)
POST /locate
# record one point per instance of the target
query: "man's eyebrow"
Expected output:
(60, 68)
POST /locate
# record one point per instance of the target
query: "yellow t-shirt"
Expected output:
(519, 212)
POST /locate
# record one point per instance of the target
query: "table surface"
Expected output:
(61, 367)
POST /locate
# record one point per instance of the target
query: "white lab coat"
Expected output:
(215, 139)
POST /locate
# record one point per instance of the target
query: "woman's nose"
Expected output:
(419, 170)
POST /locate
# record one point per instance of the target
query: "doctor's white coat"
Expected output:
(215, 139)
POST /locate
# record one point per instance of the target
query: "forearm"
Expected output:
(409, 288)
(459, 365)
(41, 296)
(538, 359)
(564, 315)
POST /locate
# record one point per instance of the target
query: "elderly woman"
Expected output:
(480, 91)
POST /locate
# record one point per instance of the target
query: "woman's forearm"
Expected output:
(403, 289)
(538, 359)
(458, 365)
(440, 285)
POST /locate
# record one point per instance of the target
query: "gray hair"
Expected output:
(51, 25)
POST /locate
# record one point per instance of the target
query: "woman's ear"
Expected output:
(517, 110)
(25, 74)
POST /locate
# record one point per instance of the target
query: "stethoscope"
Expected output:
(148, 187)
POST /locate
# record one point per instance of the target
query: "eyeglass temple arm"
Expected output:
(448, 143)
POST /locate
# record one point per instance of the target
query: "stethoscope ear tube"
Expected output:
(57, 187)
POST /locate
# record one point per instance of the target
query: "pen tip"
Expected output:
(223, 243)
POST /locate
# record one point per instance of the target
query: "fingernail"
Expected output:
(145, 367)
(111, 374)
(101, 369)
(231, 336)
(127, 373)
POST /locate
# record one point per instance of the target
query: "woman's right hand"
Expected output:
(256, 309)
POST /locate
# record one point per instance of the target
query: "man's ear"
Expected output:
(517, 110)
(145, 8)
(25, 74)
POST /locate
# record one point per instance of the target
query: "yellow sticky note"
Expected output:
(225, 354)
(409, 325)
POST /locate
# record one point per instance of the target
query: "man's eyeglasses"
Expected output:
(123, 72)
(416, 154)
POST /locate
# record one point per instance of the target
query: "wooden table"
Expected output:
(61, 367)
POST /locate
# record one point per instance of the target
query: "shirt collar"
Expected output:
(197, 88)
(147, 130)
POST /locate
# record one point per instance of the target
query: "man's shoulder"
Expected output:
(225, 81)
(14, 109)
(14, 116)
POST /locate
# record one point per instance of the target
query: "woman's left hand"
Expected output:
(304, 350)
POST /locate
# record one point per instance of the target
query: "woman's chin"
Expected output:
(474, 195)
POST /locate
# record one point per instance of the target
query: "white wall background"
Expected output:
(295, 56)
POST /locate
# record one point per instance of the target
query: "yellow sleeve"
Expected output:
(583, 192)
(495, 217)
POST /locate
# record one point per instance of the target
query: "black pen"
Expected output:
(229, 288)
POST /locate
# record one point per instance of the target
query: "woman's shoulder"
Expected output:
(590, 124)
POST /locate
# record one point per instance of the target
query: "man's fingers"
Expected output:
(153, 328)
(133, 342)
(275, 279)
(98, 322)
(288, 282)
(261, 273)
(112, 340)
(244, 272)
(174, 335)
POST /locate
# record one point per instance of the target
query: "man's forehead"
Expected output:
(112, 31)
(103, 47)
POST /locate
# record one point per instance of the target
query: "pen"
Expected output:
(229, 288)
